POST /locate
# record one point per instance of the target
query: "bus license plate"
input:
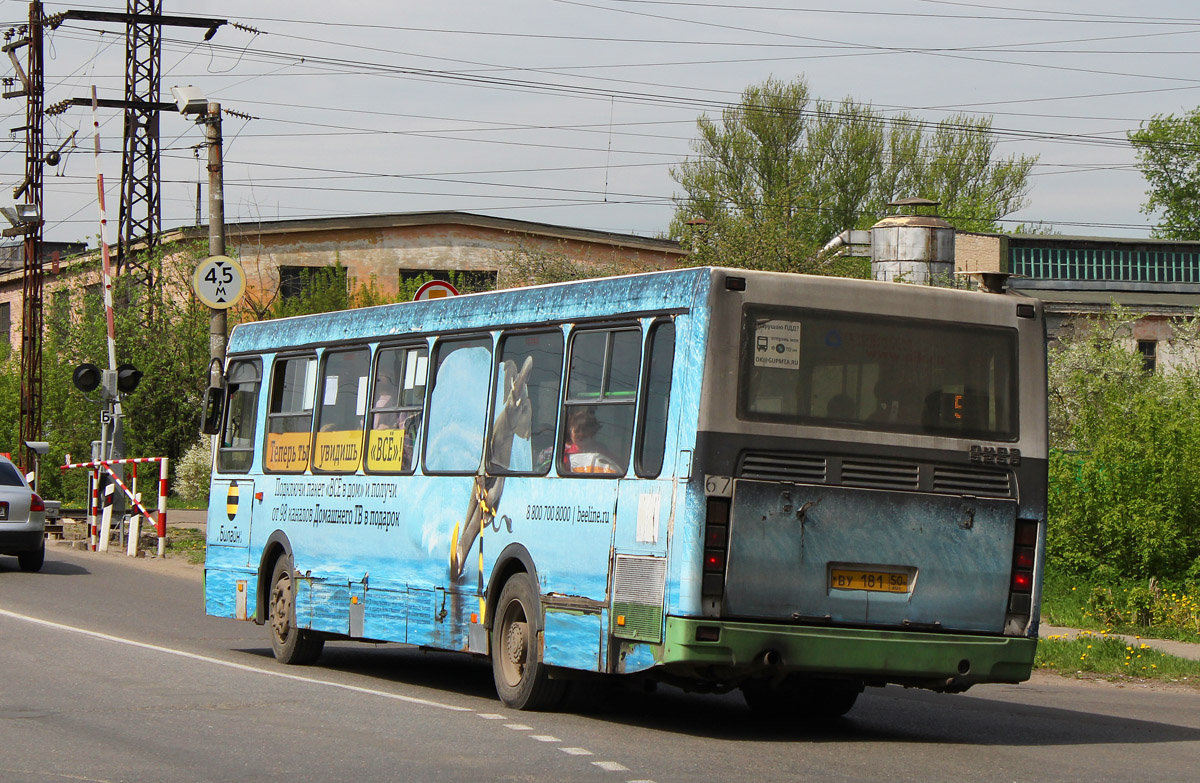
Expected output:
(877, 581)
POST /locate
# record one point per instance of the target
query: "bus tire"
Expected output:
(290, 644)
(522, 680)
(799, 700)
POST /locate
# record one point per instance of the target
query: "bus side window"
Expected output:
(396, 411)
(601, 394)
(289, 419)
(236, 452)
(343, 385)
(528, 378)
(458, 406)
(652, 435)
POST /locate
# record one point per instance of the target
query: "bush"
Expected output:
(193, 471)
(1124, 492)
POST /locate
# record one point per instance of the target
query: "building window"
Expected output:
(465, 280)
(6, 322)
(297, 280)
(1149, 351)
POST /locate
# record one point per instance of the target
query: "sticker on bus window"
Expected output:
(338, 451)
(386, 450)
(287, 451)
(777, 344)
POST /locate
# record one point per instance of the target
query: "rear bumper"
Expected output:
(940, 661)
(24, 539)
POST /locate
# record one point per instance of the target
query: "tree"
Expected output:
(1124, 494)
(780, 175)
(1168, 155)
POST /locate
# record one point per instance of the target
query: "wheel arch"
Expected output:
(277, 546)
(514, 558)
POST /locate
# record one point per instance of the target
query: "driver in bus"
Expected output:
(582, 453)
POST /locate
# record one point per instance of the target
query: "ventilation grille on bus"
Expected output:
(638, 587)
(881, 475)
(799, 468)
(962, 481)
(900, 475)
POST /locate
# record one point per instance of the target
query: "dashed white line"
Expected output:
(518, 727)
(611, 766)
(576, 751)
(490, 716)
(545, 738)
(231, 665)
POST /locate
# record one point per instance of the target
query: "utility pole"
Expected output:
(31, 219)
(217, 322)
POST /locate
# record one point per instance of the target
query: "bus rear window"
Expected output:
(888, 374)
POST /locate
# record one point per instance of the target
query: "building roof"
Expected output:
(1081, 296)
(406, 219)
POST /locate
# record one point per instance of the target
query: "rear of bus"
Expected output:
(872, 458)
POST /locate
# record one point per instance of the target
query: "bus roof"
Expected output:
(631, 295)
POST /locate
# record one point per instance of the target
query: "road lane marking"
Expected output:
(518, 727)
(545, 738)
(491, 716)
(576, 751)
(230, 665)
(611, 766)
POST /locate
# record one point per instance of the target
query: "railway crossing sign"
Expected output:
(219, 281)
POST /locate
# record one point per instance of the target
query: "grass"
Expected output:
(1129, 607)
(186, 542)
(1113, 658)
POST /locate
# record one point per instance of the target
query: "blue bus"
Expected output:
(797, 486)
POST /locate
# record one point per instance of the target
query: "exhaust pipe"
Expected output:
(769, 658)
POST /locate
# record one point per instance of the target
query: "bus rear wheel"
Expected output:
(522, 680)
(290, 644)
(801, 699)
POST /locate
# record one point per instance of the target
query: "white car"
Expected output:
(22, 518)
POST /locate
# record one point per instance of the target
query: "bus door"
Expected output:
(645, 505)
(231, 497)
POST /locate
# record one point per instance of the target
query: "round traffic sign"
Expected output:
(435, 289)
(219, 282)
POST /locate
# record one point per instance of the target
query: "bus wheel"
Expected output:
(290, 644)
(522, 680)
(798, 699)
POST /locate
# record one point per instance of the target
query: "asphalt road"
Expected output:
(109, 671)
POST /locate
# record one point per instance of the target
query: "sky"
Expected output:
(572, 112)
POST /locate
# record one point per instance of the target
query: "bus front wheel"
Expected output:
(290, 644)
(522, 680)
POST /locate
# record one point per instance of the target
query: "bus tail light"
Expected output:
(716, 544)
(1020, 591)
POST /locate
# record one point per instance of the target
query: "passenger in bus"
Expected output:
(582, 453)
(385, 397)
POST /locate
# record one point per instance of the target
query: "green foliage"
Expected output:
(1168, 155)
(780, 175)
(162, 333)
(1124, 492)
